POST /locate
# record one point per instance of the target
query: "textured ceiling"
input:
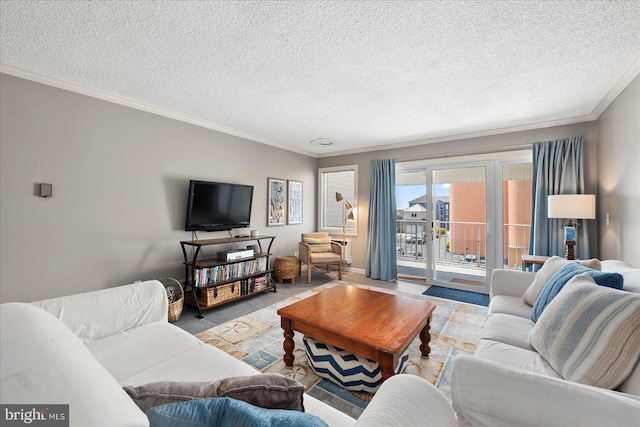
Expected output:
(364, 74)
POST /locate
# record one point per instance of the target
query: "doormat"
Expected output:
(457, 295)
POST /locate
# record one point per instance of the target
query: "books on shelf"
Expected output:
(254, 284)
(261, 282)
(225, 272)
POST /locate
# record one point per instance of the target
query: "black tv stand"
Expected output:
(214, 282)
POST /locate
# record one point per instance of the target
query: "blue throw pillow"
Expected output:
(224, 411)
(562, 276)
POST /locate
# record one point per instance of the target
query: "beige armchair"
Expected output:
(318, 249)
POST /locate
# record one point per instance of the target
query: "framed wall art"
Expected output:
(294, 213)
(277, 199)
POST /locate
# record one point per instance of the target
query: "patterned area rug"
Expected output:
(257, 339)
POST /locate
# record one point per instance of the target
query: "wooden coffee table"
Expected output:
(375, 325)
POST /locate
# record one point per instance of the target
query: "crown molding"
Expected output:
(632, 72)
(614, 92)
(138, 105)
(617, 89)
(469, 135)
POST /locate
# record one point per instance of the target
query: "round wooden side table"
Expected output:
(286, 268)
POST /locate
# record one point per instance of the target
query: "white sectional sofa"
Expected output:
(82, 349)
(507, 383)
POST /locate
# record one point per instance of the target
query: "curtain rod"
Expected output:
(474, 153)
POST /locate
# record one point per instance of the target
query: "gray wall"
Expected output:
(120, 178)
(460, 148)
(619, 176)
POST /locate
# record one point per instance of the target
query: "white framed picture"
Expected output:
(277, 199)
(294, 212)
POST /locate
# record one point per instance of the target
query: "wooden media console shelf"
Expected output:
(214, 282)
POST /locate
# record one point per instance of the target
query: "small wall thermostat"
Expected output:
(46, 190)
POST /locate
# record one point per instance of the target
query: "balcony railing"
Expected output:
(516, 244)
(459, 243)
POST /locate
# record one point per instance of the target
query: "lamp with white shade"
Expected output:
(571, 206)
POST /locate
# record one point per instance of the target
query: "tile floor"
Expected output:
(219, 315)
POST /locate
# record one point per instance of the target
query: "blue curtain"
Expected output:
(381, 228)
(557, 169)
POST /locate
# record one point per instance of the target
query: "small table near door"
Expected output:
(375, 325)
(528, 260)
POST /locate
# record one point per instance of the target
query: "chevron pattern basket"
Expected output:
(348, 370)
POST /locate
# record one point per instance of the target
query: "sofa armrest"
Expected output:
(98, 314)
(485, 393)
(407, 400)
(43, 362)
(510, 282)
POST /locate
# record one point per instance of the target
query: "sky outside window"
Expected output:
(406, 193)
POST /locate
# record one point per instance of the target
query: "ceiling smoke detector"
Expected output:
(321, 142)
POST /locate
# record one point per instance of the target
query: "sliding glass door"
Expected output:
(447, 216)
(441, 231)
(458, 256)
(412, 225)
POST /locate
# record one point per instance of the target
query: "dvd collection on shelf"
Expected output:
(221, 273)
(253, 284)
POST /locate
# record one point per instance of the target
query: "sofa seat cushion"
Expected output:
(135, 350)
(590, 333)
(319, 258)
(515, 357)
(508, 329)
(208, 363)
(44, 362)
(506, 304)
(201, 363)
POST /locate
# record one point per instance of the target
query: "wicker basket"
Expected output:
(218, 294)
(174, 287)
(286, 267)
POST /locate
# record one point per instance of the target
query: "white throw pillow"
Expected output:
(590, 334)
(551, 267)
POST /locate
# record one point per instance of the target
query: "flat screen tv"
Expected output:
(216, 206)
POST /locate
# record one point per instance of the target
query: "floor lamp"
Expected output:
(347, 214)
(571, 206)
